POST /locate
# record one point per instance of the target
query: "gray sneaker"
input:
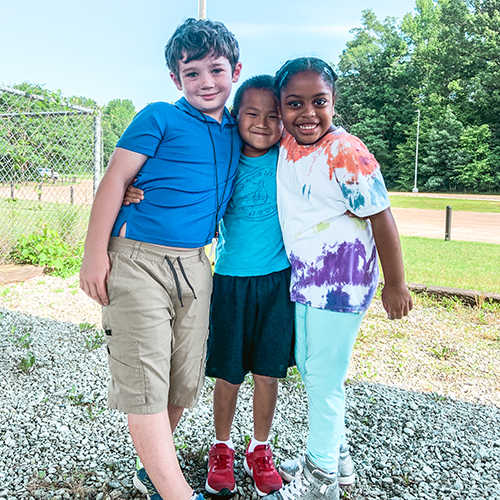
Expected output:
(312, 483)
(291, 469)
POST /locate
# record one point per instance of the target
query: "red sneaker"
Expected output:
(259, 465)
(220, 470)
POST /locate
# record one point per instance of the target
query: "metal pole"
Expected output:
(447, 234)
(97, 150)
(202, 9)
(415, 189)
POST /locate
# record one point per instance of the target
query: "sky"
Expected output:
(110, 49)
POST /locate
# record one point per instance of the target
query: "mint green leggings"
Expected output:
(324, 341)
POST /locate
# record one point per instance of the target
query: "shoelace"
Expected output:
(221, 462)
(294, 489)
(149, 485)
(265, 464)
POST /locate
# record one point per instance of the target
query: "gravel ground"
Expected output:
(423, 408)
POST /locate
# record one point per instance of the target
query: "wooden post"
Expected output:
(447, 234)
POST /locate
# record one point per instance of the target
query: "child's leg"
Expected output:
(174, 415)
(156, 338)
(225, 399)
(324, 343)
(264, 403)
(153, 441)
(259, 458)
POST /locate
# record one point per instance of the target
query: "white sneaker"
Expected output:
(313, 483)
(291, 469)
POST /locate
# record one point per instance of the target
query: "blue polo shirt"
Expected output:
(188, 177)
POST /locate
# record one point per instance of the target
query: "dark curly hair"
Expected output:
(196, 38)
(264, 82)
(302, 65)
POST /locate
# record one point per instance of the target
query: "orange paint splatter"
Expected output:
(342, 149)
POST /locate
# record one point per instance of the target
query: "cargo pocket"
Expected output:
(128, 381)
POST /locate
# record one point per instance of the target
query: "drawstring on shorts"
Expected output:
(176, 278)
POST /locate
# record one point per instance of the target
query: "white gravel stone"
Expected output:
(56, 434)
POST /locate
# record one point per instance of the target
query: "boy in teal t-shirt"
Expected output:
(251, 315)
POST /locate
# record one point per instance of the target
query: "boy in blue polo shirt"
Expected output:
(146, 264)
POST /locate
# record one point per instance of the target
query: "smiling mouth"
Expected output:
(307, 127)
(208, 96)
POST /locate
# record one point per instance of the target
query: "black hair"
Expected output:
(197, 38)
(264, 82)
(302, 65)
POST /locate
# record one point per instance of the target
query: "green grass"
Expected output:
(19, 217)
(457, 264)
(458, 205)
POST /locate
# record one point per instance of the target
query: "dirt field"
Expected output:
(58, 192)
(465, 226)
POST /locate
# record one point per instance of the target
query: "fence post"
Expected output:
(40, 191)
(97, 149)
(12, 189)
(447, 234)
(71, 195)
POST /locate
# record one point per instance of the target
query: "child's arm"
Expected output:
(94, 273)
(133, 195)
(396, 298)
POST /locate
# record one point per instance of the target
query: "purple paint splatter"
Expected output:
(338, 266)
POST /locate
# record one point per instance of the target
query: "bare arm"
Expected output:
(396, 298)
(94, 273)
(133, 195)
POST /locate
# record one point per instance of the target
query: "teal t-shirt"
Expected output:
(250, 241)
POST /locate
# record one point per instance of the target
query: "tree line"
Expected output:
(444, 61)
(48, 133)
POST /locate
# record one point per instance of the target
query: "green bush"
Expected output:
(50, 251)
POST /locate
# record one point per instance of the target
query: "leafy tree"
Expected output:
(442, 59)
(374, 101)
(442, 153)
(116, 117)
(477, 172)
(39, 130)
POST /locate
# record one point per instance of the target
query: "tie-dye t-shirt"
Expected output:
(333, 256)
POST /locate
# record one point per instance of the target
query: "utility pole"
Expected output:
(202, 9)
(415, 189)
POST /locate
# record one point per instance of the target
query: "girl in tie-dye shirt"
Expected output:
(335, 216)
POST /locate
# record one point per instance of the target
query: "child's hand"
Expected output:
(94, 275)
(397, 301)
(132, 195)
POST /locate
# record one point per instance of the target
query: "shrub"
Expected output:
(50, 251)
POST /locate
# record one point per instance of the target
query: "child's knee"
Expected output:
(264, 381)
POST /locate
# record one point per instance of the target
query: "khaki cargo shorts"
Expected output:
(156, 325)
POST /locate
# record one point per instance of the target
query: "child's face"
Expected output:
(206, 83)
(307, 107)
(258, 122)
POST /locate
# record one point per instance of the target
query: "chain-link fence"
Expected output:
(50, 166)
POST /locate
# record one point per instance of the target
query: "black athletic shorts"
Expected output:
(251, 327)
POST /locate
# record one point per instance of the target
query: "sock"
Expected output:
(254, 443)
(228, 443)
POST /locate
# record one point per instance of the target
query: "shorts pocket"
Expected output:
(128, 382)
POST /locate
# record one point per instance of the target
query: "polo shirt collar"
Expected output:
(184, 105)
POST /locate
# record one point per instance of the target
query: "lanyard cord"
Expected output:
(218, 204)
